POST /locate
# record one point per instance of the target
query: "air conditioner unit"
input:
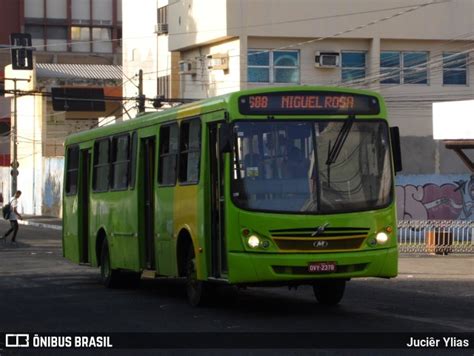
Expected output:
(326, 59)
(218, 61)
(161, 28)
(187, 67)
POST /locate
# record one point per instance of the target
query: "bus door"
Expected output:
(218, 246)
(147, 200)
(85, 169)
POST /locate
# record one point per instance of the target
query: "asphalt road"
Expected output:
(42, 292)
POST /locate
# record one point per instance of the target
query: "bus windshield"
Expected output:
(290, 166)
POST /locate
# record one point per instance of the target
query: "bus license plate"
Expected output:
(322, 267)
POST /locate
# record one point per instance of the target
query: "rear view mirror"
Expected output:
(225, 138)
(396, 151)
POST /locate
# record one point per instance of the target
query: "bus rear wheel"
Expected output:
(330, 291)
(196, 290)
(109, 277)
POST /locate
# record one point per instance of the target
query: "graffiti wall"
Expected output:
(435, 197)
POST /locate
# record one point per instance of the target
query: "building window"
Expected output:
(80, 9)
(57, 38)
(37, 35)
(390, 67)
(168, 154)
(415, 70)
(80, 37)
(164, 86)
(56, 9)
(273, 66)
(162, 17)
(403, 67)
(189, 151)
(353, 66)
(102, 40)
(72, 170)
(455, 68)
(120, 162)
(100, 180)
(49, 22)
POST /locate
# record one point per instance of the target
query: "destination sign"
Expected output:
(307, 103)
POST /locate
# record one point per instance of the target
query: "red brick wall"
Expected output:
(10, 18)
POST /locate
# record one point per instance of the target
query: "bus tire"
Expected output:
(329, 291)
(196, 290)
(109, 277)
(129, 279)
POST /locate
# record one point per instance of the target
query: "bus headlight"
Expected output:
(381, 238)
(253, 241)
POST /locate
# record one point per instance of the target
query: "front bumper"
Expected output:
(265, 268)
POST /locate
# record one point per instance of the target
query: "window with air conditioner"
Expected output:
(326, 59)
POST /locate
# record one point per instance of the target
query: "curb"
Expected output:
(38, 224)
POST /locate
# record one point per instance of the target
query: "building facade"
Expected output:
(414, 53)
(76, 43)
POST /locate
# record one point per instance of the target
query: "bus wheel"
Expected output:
(108, 276)
(195, 289)
(330, 291)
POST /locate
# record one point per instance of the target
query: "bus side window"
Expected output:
(190, 151)
(168, 154)
(72, 170)
(120, 162)
(133, 161)
(100, 180)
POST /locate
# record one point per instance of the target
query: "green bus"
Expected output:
(262, 187)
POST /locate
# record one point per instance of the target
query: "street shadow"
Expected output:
(6, 244)
(255, 301)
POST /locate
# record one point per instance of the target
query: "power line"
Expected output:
(356, 28)
(71, 43)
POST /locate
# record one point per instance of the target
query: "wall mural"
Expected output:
(440, 197)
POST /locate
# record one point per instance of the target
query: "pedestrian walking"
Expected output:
(13, 216)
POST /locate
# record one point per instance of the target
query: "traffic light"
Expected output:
(22, 58)
(78, 99)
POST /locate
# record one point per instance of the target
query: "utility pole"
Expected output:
(22, 59)
(15, 164)
(14, 132)
(141, 96)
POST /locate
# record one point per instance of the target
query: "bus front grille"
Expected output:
(319, 245)
(319, 239)
(320, 231)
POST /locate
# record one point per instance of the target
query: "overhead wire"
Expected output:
(70, 43)
(410, 8)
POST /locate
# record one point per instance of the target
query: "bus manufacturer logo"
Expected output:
(320, 244)
(320, 229)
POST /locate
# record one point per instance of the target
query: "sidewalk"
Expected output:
(48, 222)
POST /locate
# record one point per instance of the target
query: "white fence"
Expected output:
(436, 236)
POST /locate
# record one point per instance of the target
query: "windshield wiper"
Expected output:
(335, 150)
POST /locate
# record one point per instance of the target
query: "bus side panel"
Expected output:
(166, 244)
(70, 228)
(185, 218)
(122, 226)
